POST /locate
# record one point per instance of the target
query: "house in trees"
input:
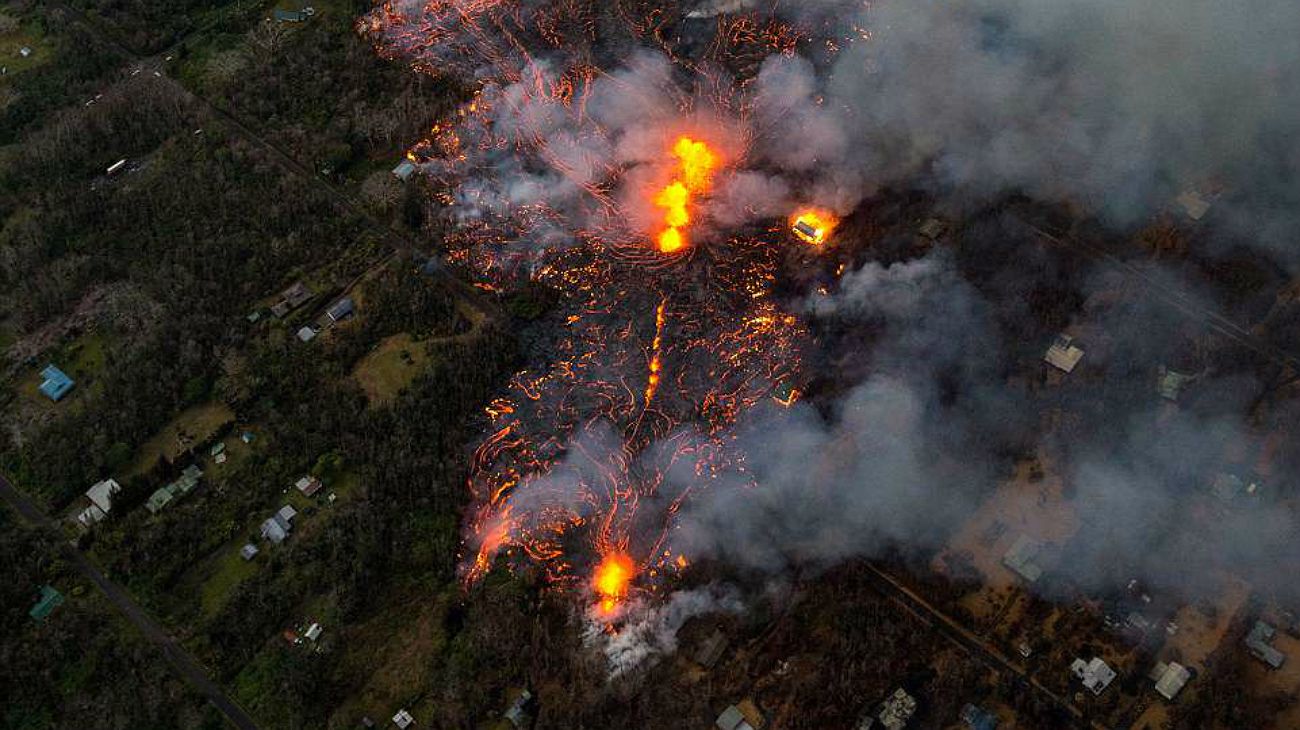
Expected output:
(248, 551)
(49, 600)
(277, 527)
(100, 497)
(404, 170)
(1063, 354)
(520, 714)
(293, 16)
(290, 299)
(309, 486)
(56, 383)
(1022, 558)
(977, 718)
(743, 715)
(1169, 678)
(1096, 674)
(403, 719)
(341, 310)
(1260, 643)
(892, 714)
(184, 484)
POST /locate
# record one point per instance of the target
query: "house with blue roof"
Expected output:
(56, 383)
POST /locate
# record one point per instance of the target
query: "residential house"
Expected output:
(977, 718)
(1169, 678)
(1063, 354)
(1022, 558)
(403, 719)
(341, 310)
(743, 715)
(291, 298)
(1096, 674)
(56, 383)
(1260, 643)
(313, 632)
(184, 484)
(307, 333)
(1172, 383)
(248, 551)
(277, 527)
(521, 711)
(290, 16)
(309, 486)
(404, 170)
(49, 600)
(1193, 204)
(101, 502)
(897, 710)
(711, 649)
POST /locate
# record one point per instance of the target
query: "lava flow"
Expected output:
(627, 408)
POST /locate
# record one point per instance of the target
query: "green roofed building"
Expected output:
(50, 600)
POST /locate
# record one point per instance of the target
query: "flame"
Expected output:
(694, 176)
(652, 385)
(813, 226)
(613, 576)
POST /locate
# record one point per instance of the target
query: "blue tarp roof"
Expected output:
(56, 384)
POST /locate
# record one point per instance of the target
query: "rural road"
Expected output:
(180, 660)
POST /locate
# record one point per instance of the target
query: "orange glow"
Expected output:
(652, 384)
(613, 576)
(696, 161)
(695, 166)
(813, 226)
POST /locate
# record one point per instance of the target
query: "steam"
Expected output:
(652, 630)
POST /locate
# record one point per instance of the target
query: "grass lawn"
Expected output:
(82, 359)
(25, 35)
(220, 574)
(193, 426)
(393, 364)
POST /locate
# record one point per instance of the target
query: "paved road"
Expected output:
(181, 661)
(972, 644)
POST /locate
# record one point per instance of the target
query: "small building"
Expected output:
(710, 650)
(933, 228)
(273, 531)
(520, 714)
(116, 167)
(158, 500)
(1193, 204)
(403, 719)
(289, 16)
(743, 715)
(977, 718)
(248, 551)
(1063, 354)
(1169, 678)
(56, 383)
(1096, 674)
(313, 632)
(25, 51)
(307, 333)
(897, 710)
(1172, 383)
(101, 495)
(217, 449)
(285, 516)
(1260, 643)
(341, 310)
(49, 600)
(404, 170)
(290, 299)
(309, 486)
(1022, 558)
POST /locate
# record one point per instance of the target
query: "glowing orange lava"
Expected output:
(695, 166)
(613, 576)
(813, 226)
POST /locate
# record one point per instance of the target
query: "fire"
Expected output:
(813, 226)
(694, 175)
(613, 576)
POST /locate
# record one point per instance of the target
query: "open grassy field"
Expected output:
(192, 426)
(391, 367)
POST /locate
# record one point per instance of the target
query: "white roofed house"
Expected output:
(279, 525)
(1063, 354)
(1096, 674)
(100, 496)
(1170, 678)
(309, 486)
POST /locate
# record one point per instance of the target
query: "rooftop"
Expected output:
(1063, 355)
(1096, 674)
(56, 383)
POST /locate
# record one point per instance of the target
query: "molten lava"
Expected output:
(813, 226)
(613, 576)
(694, 175)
